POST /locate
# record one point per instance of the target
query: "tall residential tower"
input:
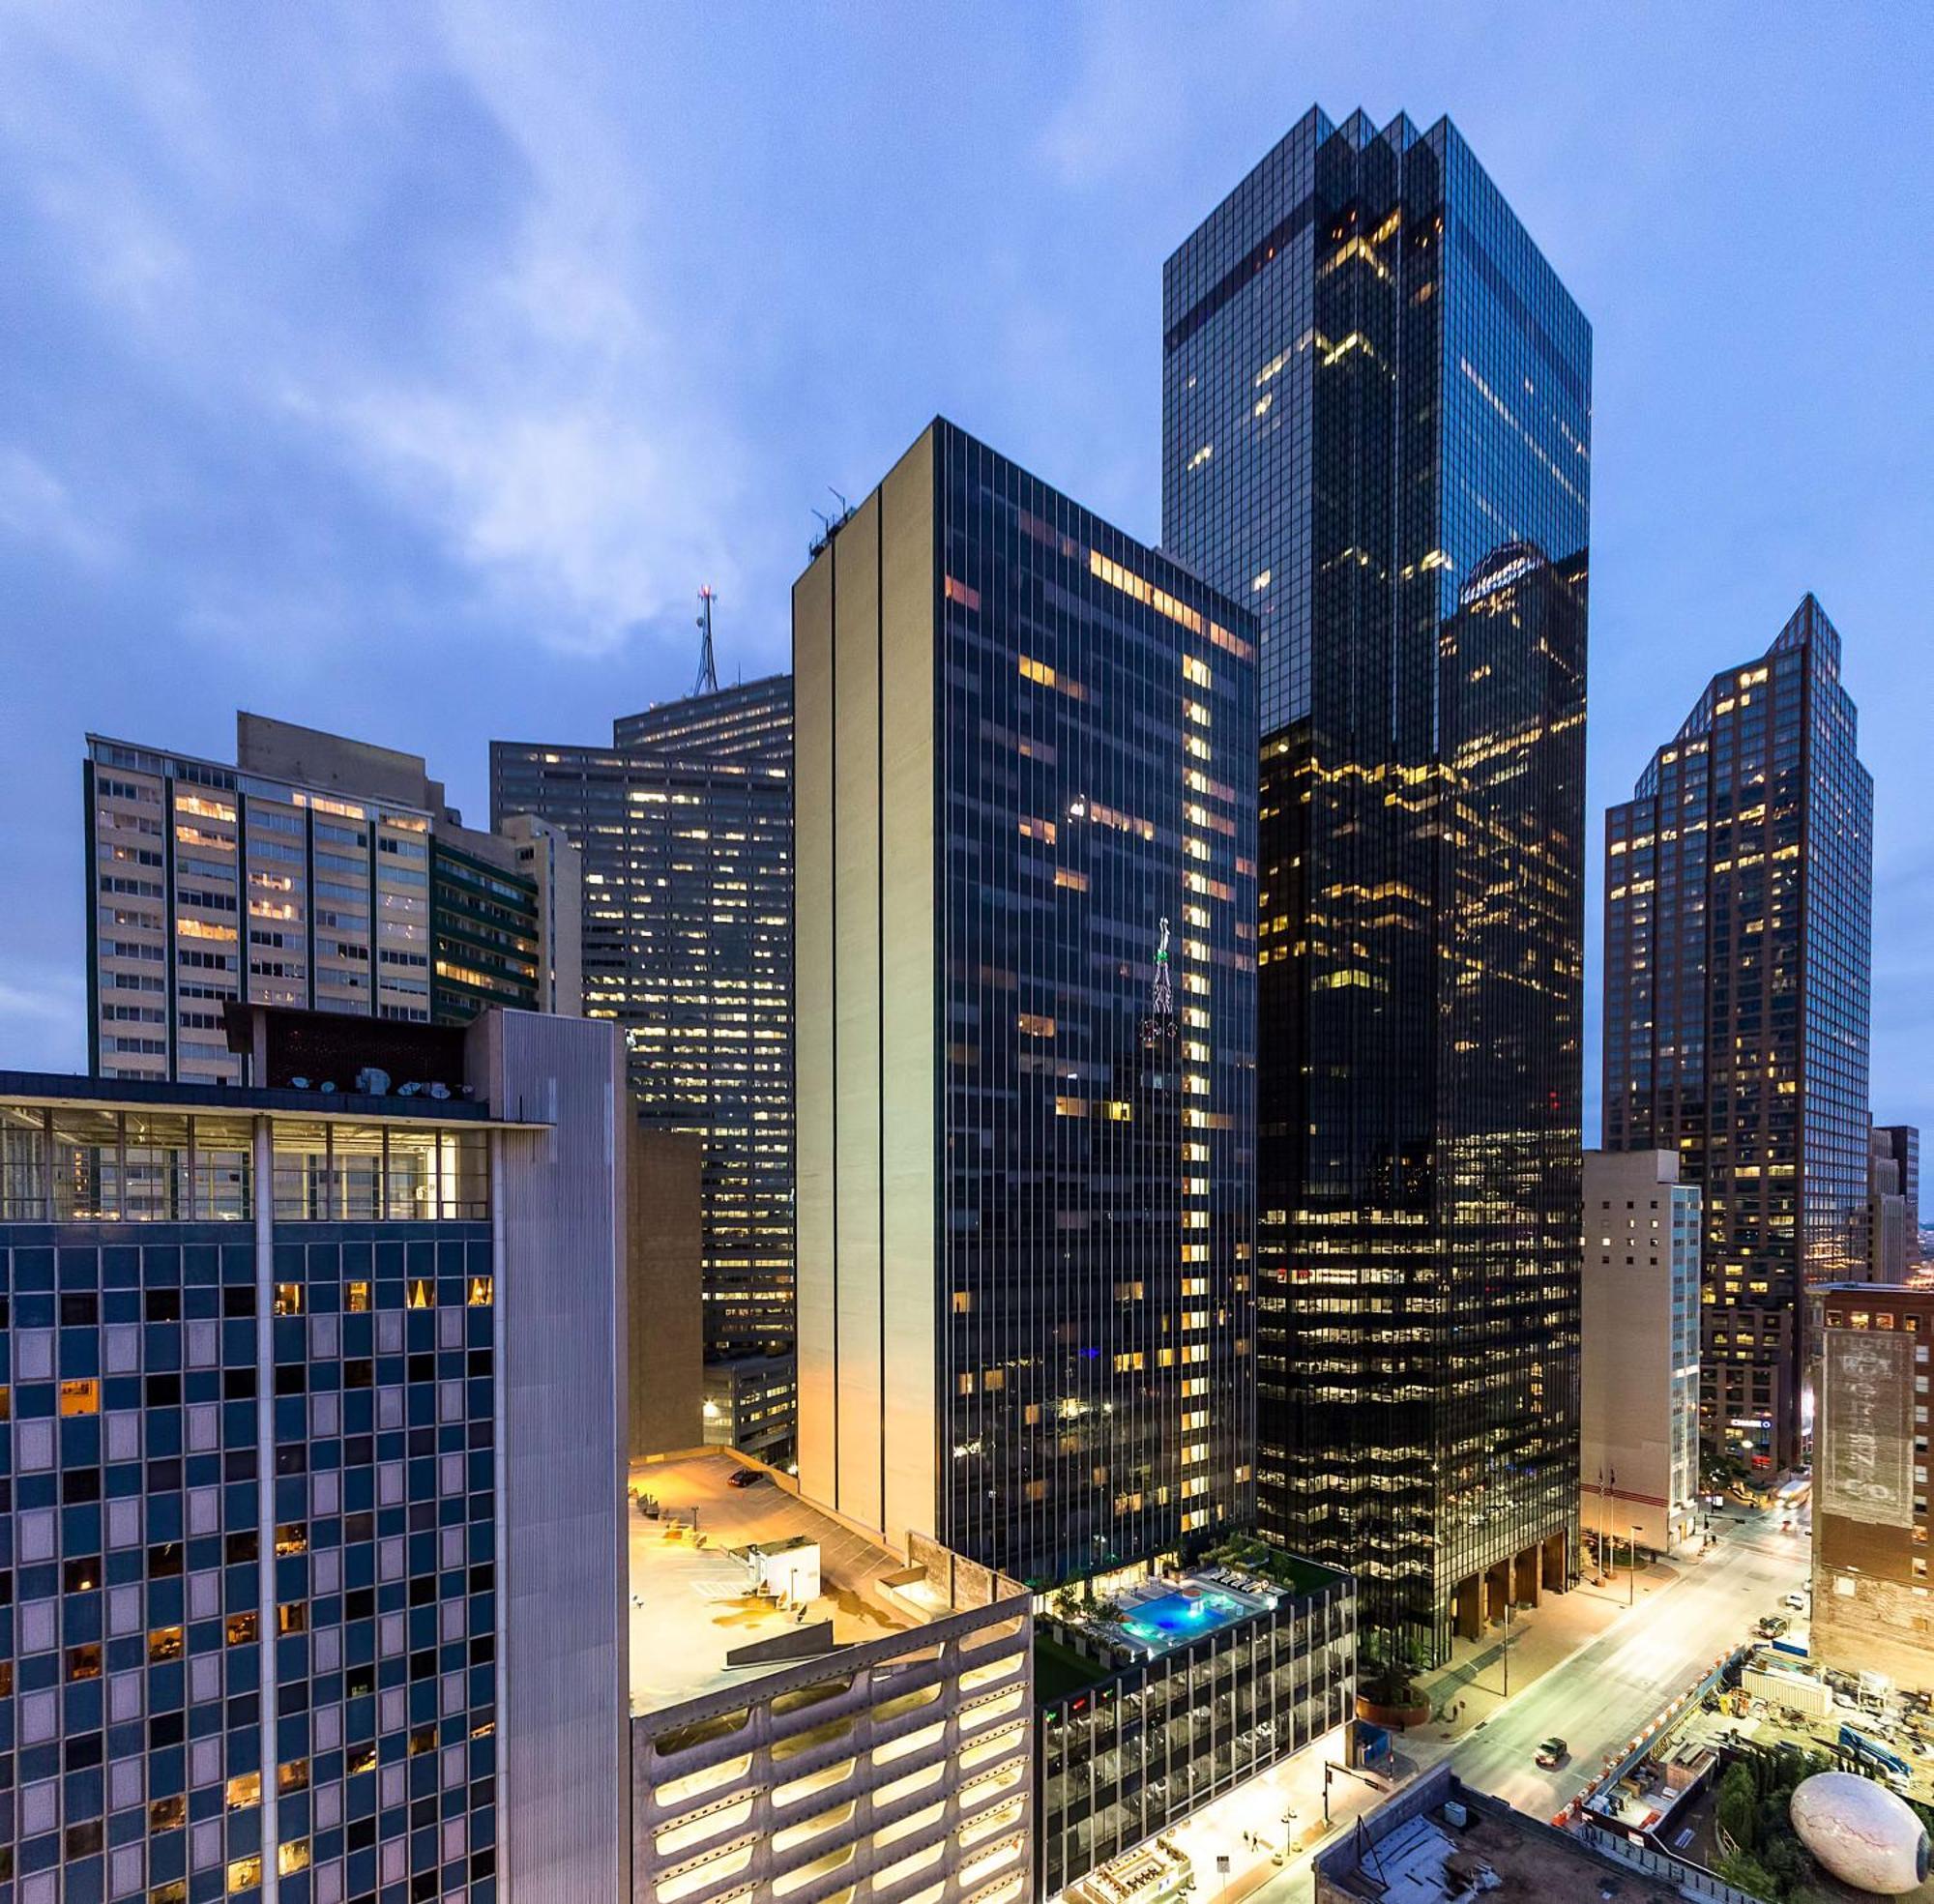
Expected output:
(1739, 942)
(1376, 436)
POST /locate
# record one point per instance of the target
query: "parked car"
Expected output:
(747, 1477)
(1797, 1601)
(1772, 1626)
(1553, 1752)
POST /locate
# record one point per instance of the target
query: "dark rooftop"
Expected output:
(58, 1088)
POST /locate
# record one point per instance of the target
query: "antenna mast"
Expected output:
(708, 670)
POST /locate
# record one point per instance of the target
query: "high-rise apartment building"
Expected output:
(1738, 964)
(311, 1466)
(1376, 436)
(1638, 1458)
(317, 872)
(1026, 904)
(685, 826)
(1903, 1146)
(1874, 1531)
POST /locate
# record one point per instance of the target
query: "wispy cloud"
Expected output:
(37, 507)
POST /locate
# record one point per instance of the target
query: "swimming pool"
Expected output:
(1167, 1618)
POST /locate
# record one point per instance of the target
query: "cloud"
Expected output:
(419, 255)
(36, 506)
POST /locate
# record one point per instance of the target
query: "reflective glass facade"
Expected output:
(1376, 434)
(1738, 970)
(1027, 880)
(685, 826)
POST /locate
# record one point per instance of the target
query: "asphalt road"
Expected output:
(1612, 1685)
(1607, 1690)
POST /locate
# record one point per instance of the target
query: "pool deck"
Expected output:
(1169, 1610)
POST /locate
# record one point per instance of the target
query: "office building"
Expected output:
(551, 859)
(862, 1725)
(1738, 967)
(1873, 1527)
(1026, 842)
(667, 1348)
(750, 1403)
(1638, 1389)
(1376, 430)
(1126, 1752)
(685, 826)
(1887, 1213)
(1903, 1145)
(315, 873)
(313, 1474)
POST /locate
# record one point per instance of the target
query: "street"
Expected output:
(1605, 1690)
(1610, 1687)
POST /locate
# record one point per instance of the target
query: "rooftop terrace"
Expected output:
(696, 1592)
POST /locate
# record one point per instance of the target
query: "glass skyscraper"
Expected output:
(1376, 436)
(1026, 832)
(685, 826)
(1738, 887)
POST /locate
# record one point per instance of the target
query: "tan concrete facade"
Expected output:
(864, 621)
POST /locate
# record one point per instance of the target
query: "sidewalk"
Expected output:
(1542, 1638)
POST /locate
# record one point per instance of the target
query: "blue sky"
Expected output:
(405, 369)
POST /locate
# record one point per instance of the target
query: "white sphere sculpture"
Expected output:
(1860, 1831)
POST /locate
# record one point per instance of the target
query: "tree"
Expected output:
(1744, 1872)
(1738, 1809)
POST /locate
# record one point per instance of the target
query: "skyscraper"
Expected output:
(685, 826)
(1376, 435)
(1639, 1352)
(1903, 1145)
(316, 872)
(1026, 835)
(313, 1472)
(1887, 1211)
(1739, 886)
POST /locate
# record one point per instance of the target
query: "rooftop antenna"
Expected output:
(708, 669)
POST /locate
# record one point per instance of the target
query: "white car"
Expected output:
(1797, 1601)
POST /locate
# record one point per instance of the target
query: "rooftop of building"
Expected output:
(1411, 1852)
(696, 1596)
(65, 1090)
(1082, 1642)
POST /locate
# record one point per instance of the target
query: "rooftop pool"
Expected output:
(1167, 1619)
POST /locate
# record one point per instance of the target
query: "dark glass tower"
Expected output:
(1737, 969)
(685, 826)
(1026, 1027)
(1376, 433)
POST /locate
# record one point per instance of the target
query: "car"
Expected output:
(1553, 1752)
(1797, 1601)
(747, 1477)
(1772, 1626)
